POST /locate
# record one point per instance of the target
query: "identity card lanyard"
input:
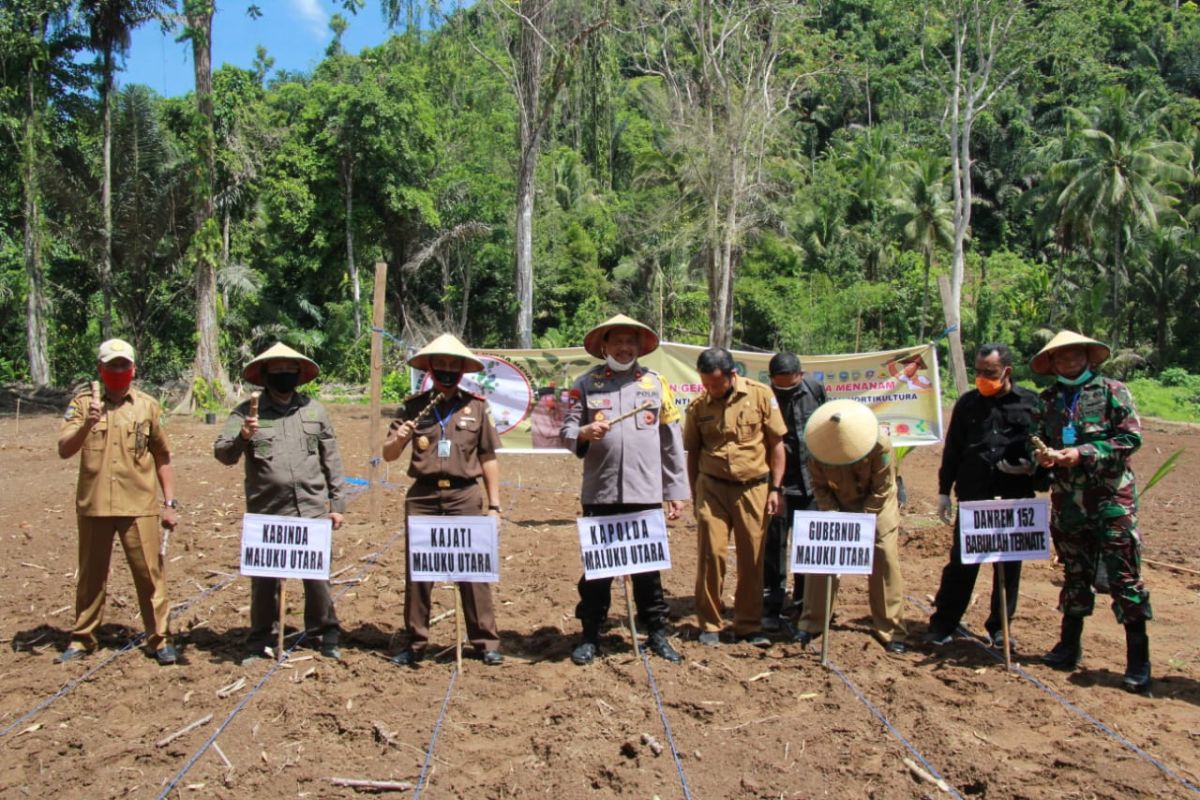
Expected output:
(1068, 431)
(443, 442)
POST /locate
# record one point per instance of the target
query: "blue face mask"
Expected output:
(1078, 380)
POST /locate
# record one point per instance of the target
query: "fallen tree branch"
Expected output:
(191, 726)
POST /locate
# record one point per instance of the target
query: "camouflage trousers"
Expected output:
(1083, 542)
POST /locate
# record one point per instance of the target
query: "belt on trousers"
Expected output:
(730, 482)
(445, 483)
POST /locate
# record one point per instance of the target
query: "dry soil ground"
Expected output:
(746, 722)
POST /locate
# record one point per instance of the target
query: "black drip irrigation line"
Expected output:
(433, 739)
(195, 757)
(70, 685)
(662, 714)
(1074, 709)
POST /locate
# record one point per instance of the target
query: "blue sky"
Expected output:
(295, 33)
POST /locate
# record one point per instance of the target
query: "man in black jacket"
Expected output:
(798, 397)
(985, 457)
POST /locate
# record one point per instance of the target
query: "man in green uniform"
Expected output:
(454, 445)
(853, 470)
(125, 458)
(1091, 429)
(293, 469)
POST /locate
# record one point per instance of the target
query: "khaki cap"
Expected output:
(280, 352)
(1097, 351)
(841, 432)
(647, 338)
(445, 345)
(115, 348)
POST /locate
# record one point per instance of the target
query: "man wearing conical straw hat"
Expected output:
(293, 469)
(454, 445)
(853, 470)
(1090, 429)
(630, 464)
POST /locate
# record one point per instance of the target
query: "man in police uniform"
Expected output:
(798, 396)
(986, 456)
(853, 470)
(1091, 429)
(454, 445)
(293, 469)
(733, 436)
(125, 453)
(628, 466)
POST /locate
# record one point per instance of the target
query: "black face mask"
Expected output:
(783, 394)
(447, 378)
(283, 382)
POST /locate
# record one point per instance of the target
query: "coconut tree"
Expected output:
(924, 215)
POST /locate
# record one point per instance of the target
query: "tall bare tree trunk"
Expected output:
(530, 51)
(36, 328)
(106, 256)
(355, 286)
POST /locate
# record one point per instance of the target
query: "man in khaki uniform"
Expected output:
(293, 469)
(125, 457)
(733, 436)
(853, 470)
(454, 445)
(635, 464)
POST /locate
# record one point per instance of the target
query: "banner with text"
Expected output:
(527, 389)
(832, 543)
(623, 544)
(459, 549)
(1004, 530)
(286, 547)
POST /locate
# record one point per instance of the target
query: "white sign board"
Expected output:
(1004, 530)
(832, 543)
(459, 549)
(623, 544)
(286, 547)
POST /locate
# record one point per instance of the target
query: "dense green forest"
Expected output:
(758, 173)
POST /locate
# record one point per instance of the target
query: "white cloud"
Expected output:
(312, 16)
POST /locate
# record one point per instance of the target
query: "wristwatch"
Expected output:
(173, 504)
(495, 508)
(777, 489)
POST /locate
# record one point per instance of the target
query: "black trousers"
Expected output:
(319, 615)
(775, 556)
(595, 596)
(958, 581)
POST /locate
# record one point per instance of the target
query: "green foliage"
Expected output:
(395, 386)
(1180, 402)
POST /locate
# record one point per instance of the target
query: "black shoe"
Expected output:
(1067, 654)
(771, 622)
(70, 654)
(166, 655)
(408, 657)
(758, 639)
(995, 640)
(937, 638)
(585, 653)
(803, 638)
(331, 650)
(492, 658)
(896, 646)
(657, 643)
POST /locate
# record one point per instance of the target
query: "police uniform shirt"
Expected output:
(729, 432)
(468, 428)
(640, 460)
(117, 471)
(293, 466)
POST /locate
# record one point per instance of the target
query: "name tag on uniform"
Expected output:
(443, 448)
(1068, 435)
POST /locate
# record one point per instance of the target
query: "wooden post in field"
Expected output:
(956, 350)
(374, 439)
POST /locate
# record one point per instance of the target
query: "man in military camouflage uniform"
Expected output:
(630, 465)
(1091, 429)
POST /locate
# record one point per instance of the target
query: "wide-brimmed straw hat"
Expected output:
(445, 345)
(256, 369)
(647, 338)
(841, 432)
(1097, 352)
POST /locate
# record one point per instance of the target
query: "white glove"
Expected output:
(1023, 466)
(945, 511)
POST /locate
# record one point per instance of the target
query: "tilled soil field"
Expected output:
(733, 721)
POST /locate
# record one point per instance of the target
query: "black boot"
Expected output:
(1068, 652)
(589, 646)
(1137, 657)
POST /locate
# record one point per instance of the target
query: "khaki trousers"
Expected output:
(140, 538)
(478, 611)
(885, 588)
(722, 508)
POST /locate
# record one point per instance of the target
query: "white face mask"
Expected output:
(617, 366)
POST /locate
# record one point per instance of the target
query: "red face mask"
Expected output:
(117, 381)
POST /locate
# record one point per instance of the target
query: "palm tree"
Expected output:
(924, 215)
(1123, 177)
(1169, 254)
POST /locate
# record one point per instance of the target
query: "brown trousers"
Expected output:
(141, 539)
(476, 597)
(722, 508)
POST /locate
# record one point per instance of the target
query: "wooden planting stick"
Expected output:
(166, 740)
(375, 786)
